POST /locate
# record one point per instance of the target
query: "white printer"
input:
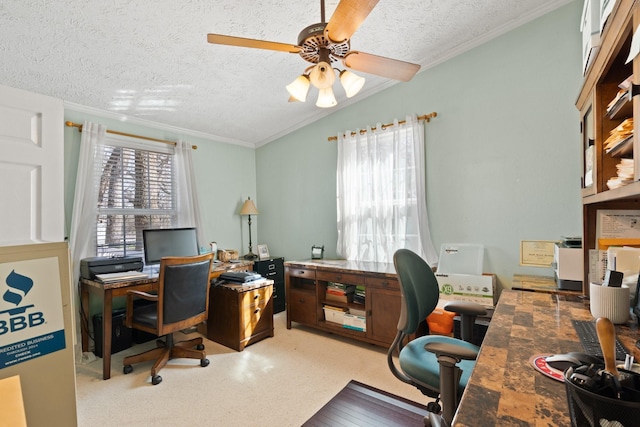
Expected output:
(568, 263)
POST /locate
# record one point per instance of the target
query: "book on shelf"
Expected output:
(332, 307)
(339, 298)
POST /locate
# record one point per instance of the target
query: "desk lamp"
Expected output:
(248, 208)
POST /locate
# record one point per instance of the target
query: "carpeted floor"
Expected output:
(280, 381)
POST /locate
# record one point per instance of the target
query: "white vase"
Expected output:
(610, 302)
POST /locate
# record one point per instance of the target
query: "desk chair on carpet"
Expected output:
(439, 366)
(182, 301)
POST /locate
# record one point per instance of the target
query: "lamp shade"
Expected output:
(248, 208)
(298, 88)
(322, 75)
(326, 99)
(351, 82)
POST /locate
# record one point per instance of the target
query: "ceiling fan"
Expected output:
(325, 43)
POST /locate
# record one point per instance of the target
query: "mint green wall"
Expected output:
(503, 155)
(225, 177)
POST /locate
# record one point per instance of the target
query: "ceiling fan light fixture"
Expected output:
(326, 99)
(299, 88)
(322, 75)
(351, 82)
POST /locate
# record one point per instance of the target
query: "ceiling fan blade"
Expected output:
(258, 44)
(346, 19)
(381, 66)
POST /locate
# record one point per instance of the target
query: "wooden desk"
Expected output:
(504, 389)
(108, 291)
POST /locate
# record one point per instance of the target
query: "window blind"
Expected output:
(135, 192)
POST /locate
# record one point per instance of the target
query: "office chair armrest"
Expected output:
(143, 295)
(466, 308)
(129, 308)
(452, 350)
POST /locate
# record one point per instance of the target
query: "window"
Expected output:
(381, 194)
(135, 191)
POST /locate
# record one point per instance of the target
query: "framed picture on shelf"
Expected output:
(263, 252)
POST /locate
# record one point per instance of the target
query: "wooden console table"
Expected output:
(306, 284)
(108, 291)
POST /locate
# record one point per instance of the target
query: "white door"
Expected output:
(31, 167)
(32, 211)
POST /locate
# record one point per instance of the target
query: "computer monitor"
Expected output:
(162, 242)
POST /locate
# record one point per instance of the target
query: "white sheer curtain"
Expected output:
(85, 209)
(381, 193)
(188, 214)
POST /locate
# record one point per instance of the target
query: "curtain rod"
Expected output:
(426, 117)
(79, 126)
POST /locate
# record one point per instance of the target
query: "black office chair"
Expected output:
(182, 301)
(439, 366)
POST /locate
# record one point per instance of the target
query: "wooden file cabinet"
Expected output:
(240, 314)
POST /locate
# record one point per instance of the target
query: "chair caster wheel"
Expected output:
(200, 347)
(127, 369)
(434, 407)
(204, 362)
(155, 380)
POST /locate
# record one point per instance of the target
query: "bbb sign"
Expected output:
(31, 319)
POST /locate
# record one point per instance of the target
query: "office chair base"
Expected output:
(166, 351)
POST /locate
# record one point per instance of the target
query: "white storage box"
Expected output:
(358, 323)
(606, 7)
(468, 287)
(590, 28)
(333, 315)
(357, 312)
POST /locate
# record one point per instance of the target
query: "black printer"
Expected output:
(89, 267)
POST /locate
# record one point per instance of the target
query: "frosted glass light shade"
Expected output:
(351, 82)
(298, 88)
(322, 75)
(326, 99)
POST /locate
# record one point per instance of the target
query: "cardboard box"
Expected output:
(333, 315)
(358, 323)
(468, 287)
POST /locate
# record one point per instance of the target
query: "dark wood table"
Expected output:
(504, 389)
(109, 291)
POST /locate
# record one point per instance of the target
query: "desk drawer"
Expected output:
(256, 298)
(382, 282)
(304, 273)
(346, 278)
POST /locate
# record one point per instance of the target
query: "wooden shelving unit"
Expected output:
(600, 88)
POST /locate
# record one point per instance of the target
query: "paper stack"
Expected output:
(625, 174)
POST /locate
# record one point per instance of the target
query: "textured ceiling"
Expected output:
(150, 60)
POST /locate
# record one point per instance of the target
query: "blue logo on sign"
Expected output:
(18, 287)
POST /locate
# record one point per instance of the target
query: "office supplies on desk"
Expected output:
(240, 276)
(121, 276)
(586, 331)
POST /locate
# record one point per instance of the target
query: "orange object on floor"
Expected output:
(440, 322)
